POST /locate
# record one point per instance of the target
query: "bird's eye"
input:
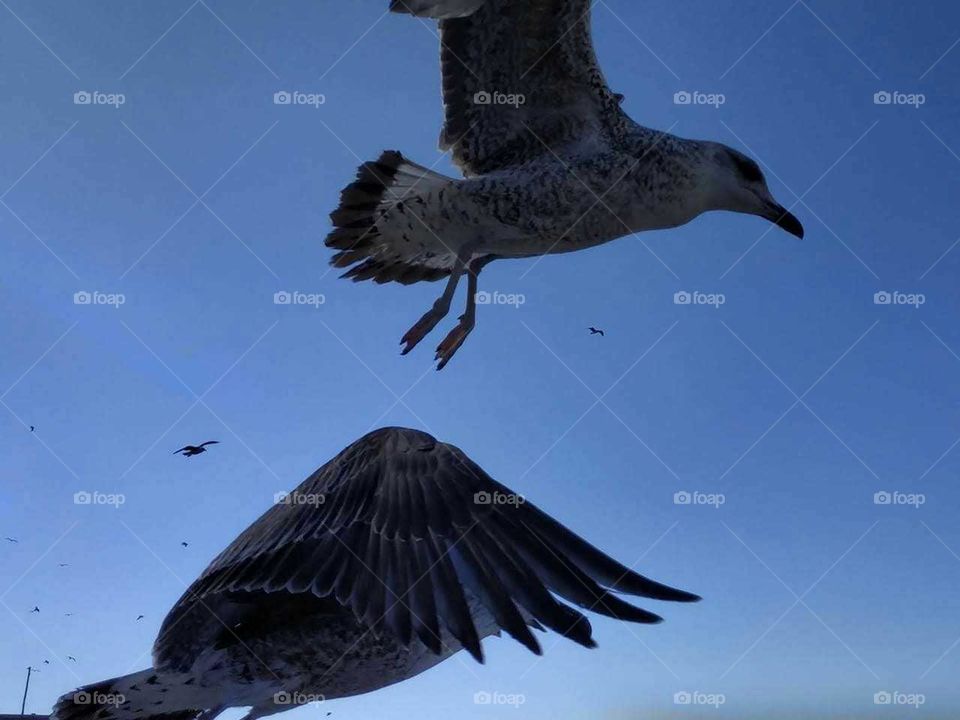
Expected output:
(748, 169)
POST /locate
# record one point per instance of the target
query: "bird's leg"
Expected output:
(452, 342)
(440, 307)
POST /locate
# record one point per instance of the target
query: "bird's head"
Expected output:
(739, 186)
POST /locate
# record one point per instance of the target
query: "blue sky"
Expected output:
(796, 400)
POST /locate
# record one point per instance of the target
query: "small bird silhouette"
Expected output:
(63, 564)
(185, 544)
(10, 539)
(71, 657)
(46, 662)
(139, 617)
(35, 609)
(191, 450)
(32, 428)
(596, 331)
(68, 614)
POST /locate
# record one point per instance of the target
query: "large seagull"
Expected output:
(396, 554)
(551, 162)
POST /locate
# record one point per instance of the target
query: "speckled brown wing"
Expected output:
(394, 529)
(519, 78)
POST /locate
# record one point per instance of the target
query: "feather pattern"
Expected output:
(412, 538)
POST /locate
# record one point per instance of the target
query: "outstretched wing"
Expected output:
(209, 442)
(519, 78)
(406, 532)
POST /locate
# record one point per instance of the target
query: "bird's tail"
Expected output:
(369, 245)
(144, 695)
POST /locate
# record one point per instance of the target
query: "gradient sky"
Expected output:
(798, 399)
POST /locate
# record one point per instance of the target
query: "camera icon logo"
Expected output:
(482, 98)
(82, 498)
(482, 498)
(682, 498)
(282, 698)
(882, 297)
(82, 298)
(282, 97)
(882, 98)
(882, 698)
(682, 298)
(282, 298)
(281, 498)
(482, 698)
(682, 698)
(82, 97)
(682, 98)
(882, 498)
(482, 298)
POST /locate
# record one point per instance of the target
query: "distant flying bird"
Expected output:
(185, 544)
(414, 554)
(595, 331)
(35, 609)
(63, 565)
(68, 614)
(139, 617)
(71, 657)
(191, 450)
(10, 539)
(46, 662)
(32, 428)
(552, 164)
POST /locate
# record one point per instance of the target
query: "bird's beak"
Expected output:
(783, 218)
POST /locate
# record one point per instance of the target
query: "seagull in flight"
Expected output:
(35, 609)
(596, 331)
(551, 163)
(414, 555)
(139, 618)
(12, 540)
(191, 450)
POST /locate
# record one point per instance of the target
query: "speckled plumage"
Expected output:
(394, 555)
(534, 170)
(551, 162)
